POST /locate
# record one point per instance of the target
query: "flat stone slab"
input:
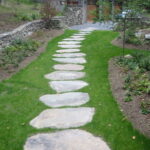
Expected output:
(72, 67)
(67, 86)
(74, 39)
(69, 46)
(65, 75)
(69, 42)
(63, 118)
(77, 36)
(79, 60)
(73, 139)
(67, 50)
(70, 55)
(66, 99)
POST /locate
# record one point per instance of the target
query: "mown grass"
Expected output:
(19, 97)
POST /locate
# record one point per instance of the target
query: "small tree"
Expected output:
(48, 12)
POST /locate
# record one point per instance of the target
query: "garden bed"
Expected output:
(131, 109)
(118, 42)
(42, 37)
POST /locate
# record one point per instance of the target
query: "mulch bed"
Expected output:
(130, 109)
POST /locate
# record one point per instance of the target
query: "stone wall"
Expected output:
(75, 15)
(26, 29)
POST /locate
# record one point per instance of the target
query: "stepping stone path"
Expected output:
(65, 75)
(65, 99)
(70, 55)
(64, 80)
(67, 51)
(71, 60)
(73, 67)
(67, 86)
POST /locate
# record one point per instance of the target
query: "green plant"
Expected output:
(145, 108)
(17, 51)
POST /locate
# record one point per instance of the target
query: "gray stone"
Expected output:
(67, 86)
(65, 75)
(147, 36)
(77, 36)
(81, 34)
(66, 99)
(69, 46)
(71, 60)
(69, 42)
(72, 67)
(67, 50)
(63, 118)
(128, 56)
(70, 55)
(73, 139)
(74, 39)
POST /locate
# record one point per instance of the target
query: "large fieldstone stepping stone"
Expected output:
(79, 60)
(67, 86)
(74, 39)
(70, 55)
(65, 75)
(63, 118)
(73, 139)
(72, 67)
(81, 34)
(77, 36)
(67, 50)
(69, 42)
(66, 99)
(69, 46)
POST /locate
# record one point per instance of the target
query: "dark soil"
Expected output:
(130, 109)
(118, 42)
(42, 36)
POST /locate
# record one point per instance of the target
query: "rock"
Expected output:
(71, 60)
(63, 118)
(73, 139)
(70, 55)
(128, 56)
(69, 42)
(147, 36)
(67, 50)
(65, 75)
(67, 86)
(77, 36)
(69, 46)
(72, 67)
(66, 99)
(74, 39)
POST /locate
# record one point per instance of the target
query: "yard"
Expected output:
(19, 97)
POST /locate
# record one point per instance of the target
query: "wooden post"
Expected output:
(100, 9)
(113, 9)
(124, 35)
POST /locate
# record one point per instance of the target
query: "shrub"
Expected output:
(48, 12)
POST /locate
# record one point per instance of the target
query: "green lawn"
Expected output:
(19, 97)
